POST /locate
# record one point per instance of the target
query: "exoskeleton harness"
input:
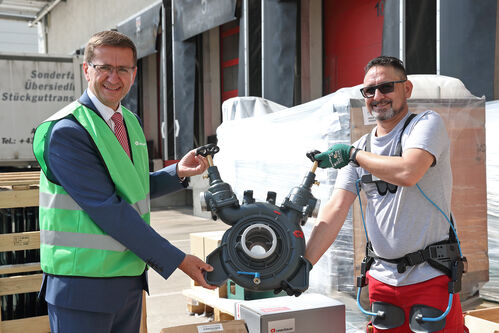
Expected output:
(445, 256)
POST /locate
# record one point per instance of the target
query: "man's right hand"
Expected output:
(194, 268)
(191, 164)
(337, 156)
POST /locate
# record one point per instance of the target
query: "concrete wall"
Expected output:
(71, 23)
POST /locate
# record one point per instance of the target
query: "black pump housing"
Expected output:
(264, 248)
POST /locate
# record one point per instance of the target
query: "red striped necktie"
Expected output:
(120, 131)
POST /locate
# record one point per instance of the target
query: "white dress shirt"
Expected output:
(105, 111)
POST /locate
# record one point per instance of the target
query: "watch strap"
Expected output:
(353, 158)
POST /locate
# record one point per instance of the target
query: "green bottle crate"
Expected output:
(235, 291)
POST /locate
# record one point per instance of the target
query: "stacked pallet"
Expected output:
(20, 273)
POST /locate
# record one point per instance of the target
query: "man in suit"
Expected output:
(95, 192)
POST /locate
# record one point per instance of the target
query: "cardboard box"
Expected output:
(212, 240)
(203, 243)
(197, 244)
(230, 326)
(307, 313)
(482, 321)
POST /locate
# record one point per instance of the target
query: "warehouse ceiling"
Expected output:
(26, 10)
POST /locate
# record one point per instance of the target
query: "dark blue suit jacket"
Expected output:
(75, 163)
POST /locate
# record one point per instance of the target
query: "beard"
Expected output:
(385, 113)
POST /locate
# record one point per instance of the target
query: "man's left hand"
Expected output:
(337, 156)
(191, 165)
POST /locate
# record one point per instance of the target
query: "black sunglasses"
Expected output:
(381, 185)
(384, 88)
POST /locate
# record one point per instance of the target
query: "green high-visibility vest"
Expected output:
(70, 242)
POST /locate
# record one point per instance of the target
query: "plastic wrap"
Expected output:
(248, 107)
(490, 290)
(267, 153)
(426, 86)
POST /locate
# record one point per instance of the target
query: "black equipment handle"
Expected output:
(208, 151)
(311, 155)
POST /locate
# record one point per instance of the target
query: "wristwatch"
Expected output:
(353, 157)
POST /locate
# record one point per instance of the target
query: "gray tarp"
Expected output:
(142, 29)
(192, 17)
(279, 50)
(468, 30)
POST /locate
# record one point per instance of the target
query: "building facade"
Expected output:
(193, 55)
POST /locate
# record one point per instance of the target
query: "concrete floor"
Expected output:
(166, 306)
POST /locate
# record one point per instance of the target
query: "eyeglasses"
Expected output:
(384, 88)
(108, 69)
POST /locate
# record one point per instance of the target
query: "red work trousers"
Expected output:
(433, 293)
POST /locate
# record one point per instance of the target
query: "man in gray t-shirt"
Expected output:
(400, 220)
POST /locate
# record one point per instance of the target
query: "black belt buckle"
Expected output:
(366, 265)
(415, 258)
(411, 259)
(401, 267)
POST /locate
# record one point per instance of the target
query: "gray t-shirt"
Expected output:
(404, 222)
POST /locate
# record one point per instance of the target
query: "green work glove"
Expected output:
(337, 156)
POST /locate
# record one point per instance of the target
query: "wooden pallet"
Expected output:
(20, 284)
(200, 300)
(19, 189)
(482, 320)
